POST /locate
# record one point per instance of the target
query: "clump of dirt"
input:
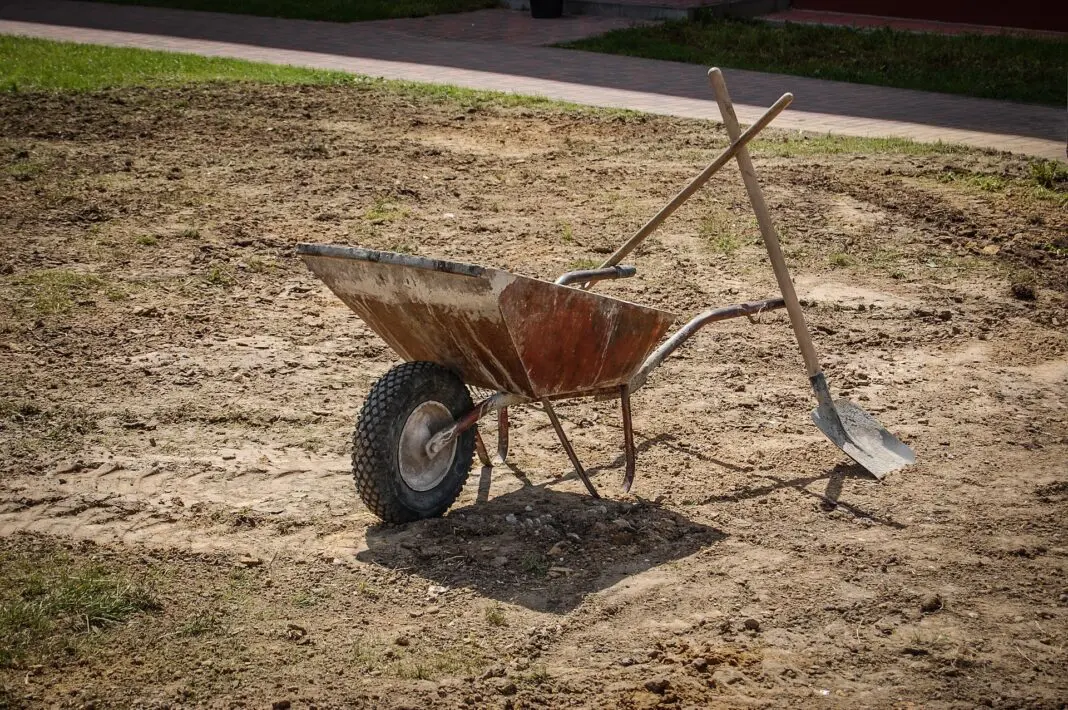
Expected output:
(177, 395)
(1024, 292)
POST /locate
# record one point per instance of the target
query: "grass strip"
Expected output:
(30, 64)
(1007, 67)
(49, 600)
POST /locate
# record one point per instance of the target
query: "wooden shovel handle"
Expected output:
(767, 229)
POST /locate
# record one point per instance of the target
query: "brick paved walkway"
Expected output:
(503, 26)
(399, 51)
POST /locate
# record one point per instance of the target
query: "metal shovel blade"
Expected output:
(858, 434)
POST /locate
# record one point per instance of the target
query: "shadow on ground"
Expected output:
(829, 500)
(540, 548)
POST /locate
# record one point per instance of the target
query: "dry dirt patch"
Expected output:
(177, 395)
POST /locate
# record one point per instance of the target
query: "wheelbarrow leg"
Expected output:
(502, 435)
(628, 438)
(480, 447)
(567, 447)
(502, 441)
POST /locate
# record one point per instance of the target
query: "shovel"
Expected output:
(849, 427)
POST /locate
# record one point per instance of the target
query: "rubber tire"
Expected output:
(374, 452)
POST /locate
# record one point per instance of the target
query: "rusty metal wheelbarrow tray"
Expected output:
(496, 329)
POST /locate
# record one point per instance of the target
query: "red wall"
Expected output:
(1034, 14)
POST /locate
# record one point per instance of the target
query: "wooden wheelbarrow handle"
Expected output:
(737, 144)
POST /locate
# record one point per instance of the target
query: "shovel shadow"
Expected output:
(830, 499)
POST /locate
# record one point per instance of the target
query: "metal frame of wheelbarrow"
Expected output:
(630, 328)
(850, 428)
(501, 401)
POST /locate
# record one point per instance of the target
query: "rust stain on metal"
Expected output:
(571, 341)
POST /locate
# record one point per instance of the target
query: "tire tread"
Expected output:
(370, 467)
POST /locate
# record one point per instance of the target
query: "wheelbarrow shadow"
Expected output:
(544, 549)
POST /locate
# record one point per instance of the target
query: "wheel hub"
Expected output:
(420, 471)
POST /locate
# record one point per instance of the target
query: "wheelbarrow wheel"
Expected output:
(394, 475)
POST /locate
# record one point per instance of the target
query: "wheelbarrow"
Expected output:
(531, 341)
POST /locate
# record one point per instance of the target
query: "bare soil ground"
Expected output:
(177, 395)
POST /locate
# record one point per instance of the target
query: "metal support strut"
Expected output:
(502, 442)
(502, 435)
(687, 331)
(567, 447)
(499, 401)
(480, 448)
(628, 438)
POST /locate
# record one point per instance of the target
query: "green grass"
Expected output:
(218, 276)
(305, 600)
(330, 10)
(385, 211)
(1005, 67)
(259, 266)
(376, 655)
(537, 676)
(799, 145)
(724, 232)
(841, 260)
(567, 233)
(28, 64)
(721, 234)
(48, 601)
(583, 264)
(1048, 180)
(366, 589)
(56, 291)
(23, 169)
(535, 564)
(434, 664)
(495, 616)
(726, 244)
(1045, 180)
(981, 181)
